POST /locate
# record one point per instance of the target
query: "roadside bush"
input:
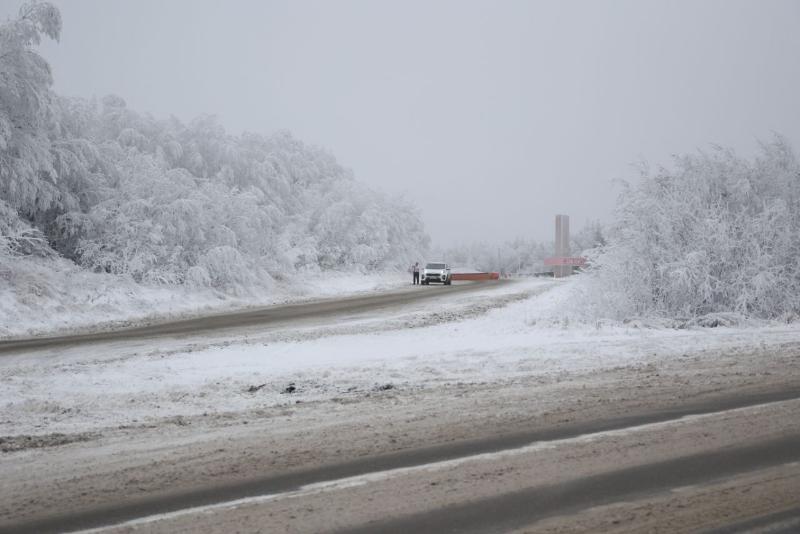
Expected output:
(716, 233)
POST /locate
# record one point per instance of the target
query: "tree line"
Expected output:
(170, 202)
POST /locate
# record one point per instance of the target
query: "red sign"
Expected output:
(575, 262)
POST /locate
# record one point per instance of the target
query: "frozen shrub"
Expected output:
(226, 267)
(197, 276)
(714, 234)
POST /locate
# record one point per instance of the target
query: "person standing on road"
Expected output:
(415, 269)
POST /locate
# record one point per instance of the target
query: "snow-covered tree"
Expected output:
(28, 178)
(166, 202)
(516, 256)
(714, 234)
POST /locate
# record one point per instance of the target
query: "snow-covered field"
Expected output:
(497, 334)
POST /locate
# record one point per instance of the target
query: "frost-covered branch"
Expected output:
(167, 202)
(716, 233)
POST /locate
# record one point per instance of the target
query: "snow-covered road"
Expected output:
(324, 349)
(110, 422)
(487, 334)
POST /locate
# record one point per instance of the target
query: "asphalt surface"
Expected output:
(786, 522)
(506, 512)
(491, 515)
(269, 315)
(494, 514)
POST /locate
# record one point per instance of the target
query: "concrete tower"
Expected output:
(562, 246)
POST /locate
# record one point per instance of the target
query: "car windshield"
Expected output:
(435, 266)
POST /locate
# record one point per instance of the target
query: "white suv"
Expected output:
(436, 272)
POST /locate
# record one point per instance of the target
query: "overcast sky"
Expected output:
(490, 116)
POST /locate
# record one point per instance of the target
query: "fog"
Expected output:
(491, 117)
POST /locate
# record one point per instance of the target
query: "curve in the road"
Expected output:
(251, 317)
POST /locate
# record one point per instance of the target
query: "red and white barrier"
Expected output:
(475, 276)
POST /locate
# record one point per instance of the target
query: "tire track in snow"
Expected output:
(364, 470)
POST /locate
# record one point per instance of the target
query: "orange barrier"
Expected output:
(475, 276)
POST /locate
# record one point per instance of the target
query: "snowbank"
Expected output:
(46, 296)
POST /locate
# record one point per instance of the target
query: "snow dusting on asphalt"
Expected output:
(496, 334)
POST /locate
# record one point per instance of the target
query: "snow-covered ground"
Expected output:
(58, 297)
(497, 334)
